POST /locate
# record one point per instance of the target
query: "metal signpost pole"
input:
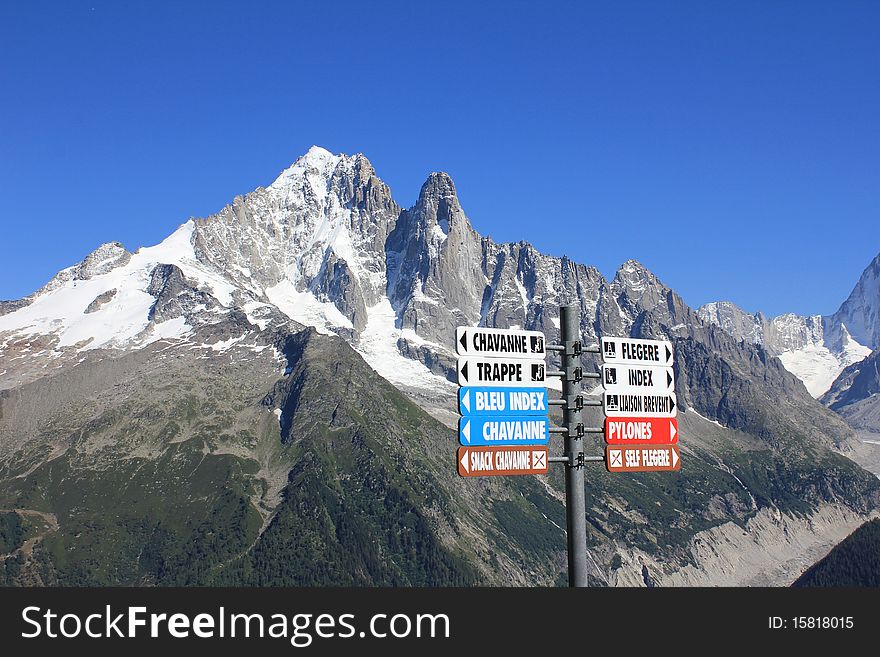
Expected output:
(575, 507)
(504, 427)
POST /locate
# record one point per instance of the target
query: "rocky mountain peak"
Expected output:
(320, 179)
(438, 206)
(860, 313)
(316, 161)
(439, 185)
(313, 242)
(816, 349)
(637, 288)
(435, 279)
(317, 153)
(355, 183)
(728, 309)
(735, 321)
(634, 276)
(105, 258)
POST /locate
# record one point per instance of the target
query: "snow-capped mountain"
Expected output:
(816, 349)
(311, 244)
(326, 245)
(198, 344)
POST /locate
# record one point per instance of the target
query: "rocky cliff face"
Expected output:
(435, 268)
(857, 382)
(737, 323)
(855, 396)
(860, 313)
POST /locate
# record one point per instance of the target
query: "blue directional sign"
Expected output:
(476, 400)
(510, 430)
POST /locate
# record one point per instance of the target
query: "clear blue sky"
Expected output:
(732, 147)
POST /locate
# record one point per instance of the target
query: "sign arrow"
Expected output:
(637, 351)
(637, 378)
(495, 342)
(642, 459)
(640, 431)
(501, 372)
(498, 401)
(503, 430)
(495, 461)
(628, 403)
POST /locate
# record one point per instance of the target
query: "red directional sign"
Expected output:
(641, 431)
(642, 459)
(491, 461)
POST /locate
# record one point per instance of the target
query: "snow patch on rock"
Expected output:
(817, 366)
(304, 308)
(378, 346)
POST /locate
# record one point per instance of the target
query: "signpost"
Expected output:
(641, 431)
(642, 459)
(575, 495)
(629, 404)
(638, 378)
(501, 372)
(504, 428)
(478, 341)
(636, 351)
(507, 430)
(495, 461)
(494, 401)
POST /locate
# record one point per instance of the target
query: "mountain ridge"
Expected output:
(326, 246)
(815, 348)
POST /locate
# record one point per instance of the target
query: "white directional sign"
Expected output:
(638, 378)
(501, 372)
(475, 341)
(639, 404)
(636, 351)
